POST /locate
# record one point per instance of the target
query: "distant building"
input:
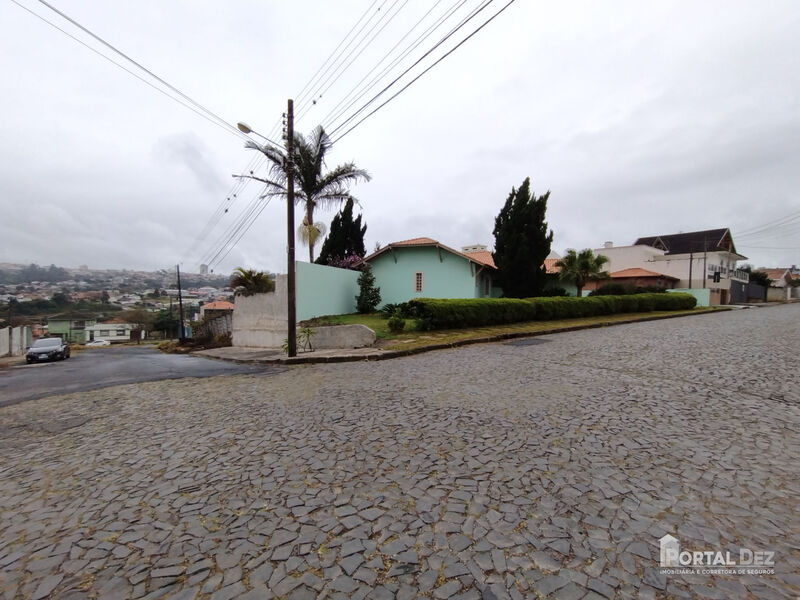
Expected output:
(215, 309)
(203, 269)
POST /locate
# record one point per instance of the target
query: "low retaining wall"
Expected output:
(330, 337)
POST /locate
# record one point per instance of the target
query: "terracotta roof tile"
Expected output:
(550, 265)
(218, 305)
(420, 241)
(637, 272)
(482, 256)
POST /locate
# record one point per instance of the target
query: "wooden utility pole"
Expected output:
(291, 292)
(181, 337)
(691, 262)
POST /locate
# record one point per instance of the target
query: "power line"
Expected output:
(333, 114)
(759, 228)
(300, 96)
(361, 51)
(463, 22)
(116, 64)
(313, 96)
(405, 87)
(139, 65)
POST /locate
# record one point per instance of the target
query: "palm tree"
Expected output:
(309, 234)
(247, 282)
(315, 188)
(581, 267)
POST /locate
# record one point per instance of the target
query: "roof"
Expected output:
(637, 272)
(709, 240)
(550, 265)
(218, 305)
(778, 274)
(116, 321)
(483, 258)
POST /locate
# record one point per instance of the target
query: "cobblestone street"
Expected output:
(542, 467)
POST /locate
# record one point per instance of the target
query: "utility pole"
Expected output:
(705, 267)
(291, 292)
(181, 338)
(691, 262)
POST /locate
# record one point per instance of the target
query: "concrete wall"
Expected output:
(444, 275)
(703, 295)
(778, 294)
(260, 321)
(15, 341)
(323, 290)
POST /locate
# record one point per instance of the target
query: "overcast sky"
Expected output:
(642, 118)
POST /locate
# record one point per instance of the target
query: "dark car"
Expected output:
(47, 349)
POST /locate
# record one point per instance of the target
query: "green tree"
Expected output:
(167, 322)
(345, 239)
(758, 277)
(247, 282)
(104, 297)
(581, 267)
(521, 243)
(314, 188)
(369, 296)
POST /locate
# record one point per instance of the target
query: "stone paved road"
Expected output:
(496, 471)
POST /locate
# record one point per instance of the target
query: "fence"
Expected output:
(15, 341)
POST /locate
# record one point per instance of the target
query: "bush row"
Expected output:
(477, 312)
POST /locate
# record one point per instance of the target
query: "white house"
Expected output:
(698, 259)
(114, 330)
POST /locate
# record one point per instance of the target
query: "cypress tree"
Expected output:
(345, 237)
(522, 243)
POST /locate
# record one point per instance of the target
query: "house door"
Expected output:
(723, 296)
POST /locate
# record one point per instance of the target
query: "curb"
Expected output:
(390, 354)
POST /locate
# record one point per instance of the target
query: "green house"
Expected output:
(424, 268)
(71, 327)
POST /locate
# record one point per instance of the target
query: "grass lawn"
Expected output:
(411, 338)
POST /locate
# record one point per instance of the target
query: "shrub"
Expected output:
(456, 313)
(396, 322)
(554, 291)
(388, 310)
(369, 296)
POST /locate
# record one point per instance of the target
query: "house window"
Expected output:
(418, 281)
(120, 332)
(105, 332)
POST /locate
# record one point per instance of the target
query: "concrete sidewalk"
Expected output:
(276, 356)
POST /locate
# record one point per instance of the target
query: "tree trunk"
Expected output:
(310, 217)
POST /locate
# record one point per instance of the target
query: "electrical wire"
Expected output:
(456, 47)
(235, 131)
(337, 111)
(139, 65)
(344, 68)
(317, 87)
(463, 22)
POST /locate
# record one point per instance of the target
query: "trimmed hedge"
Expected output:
(457, 313)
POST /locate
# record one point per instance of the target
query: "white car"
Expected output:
(99, 343)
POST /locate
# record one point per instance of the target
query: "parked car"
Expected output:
(99, 343)
(47, 349)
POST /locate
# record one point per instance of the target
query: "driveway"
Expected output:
(96, 368)
(541, 468)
